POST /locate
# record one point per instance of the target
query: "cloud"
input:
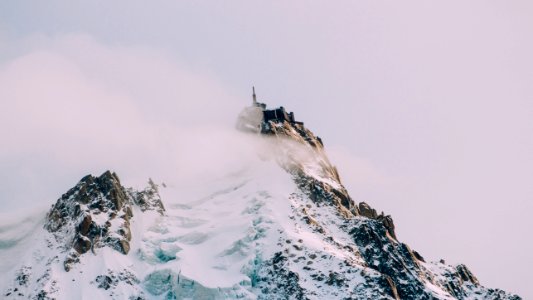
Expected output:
(72, 105)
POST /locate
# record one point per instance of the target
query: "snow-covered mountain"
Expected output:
(283, 228)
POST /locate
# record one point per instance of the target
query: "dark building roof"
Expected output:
(278, 114)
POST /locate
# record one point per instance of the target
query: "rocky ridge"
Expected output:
(390, 269)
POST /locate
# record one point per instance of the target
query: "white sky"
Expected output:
(425, 107)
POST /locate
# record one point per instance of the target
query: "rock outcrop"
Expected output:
(96, 213)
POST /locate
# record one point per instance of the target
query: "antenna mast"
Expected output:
(254, 97)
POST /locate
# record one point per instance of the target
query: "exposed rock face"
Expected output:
(148, 199)
(329, 191)
(276, 281)
(96, 213)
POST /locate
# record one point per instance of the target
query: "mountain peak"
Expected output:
(397, 270)
(287, 228)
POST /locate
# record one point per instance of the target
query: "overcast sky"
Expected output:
(425, 107)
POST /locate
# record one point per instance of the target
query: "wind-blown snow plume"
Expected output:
(71, 105)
